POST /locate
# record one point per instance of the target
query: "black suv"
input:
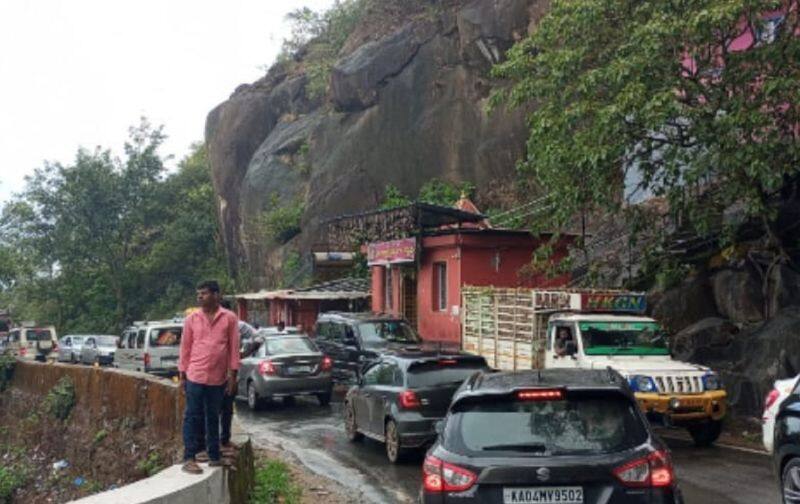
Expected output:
(399, 398)
(564, 436)
(786, 448)
(352, 340)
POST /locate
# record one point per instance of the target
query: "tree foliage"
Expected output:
(434, 192)
(678, 92)
(95, 244)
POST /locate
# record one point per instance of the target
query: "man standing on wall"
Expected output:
(208, 364)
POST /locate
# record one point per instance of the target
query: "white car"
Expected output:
(772, 403)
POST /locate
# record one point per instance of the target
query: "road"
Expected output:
(315, 436)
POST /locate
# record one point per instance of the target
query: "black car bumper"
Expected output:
(477, 495)
(417, 432)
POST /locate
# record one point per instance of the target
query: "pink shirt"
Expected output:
(209, 350)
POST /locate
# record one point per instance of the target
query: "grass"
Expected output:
(100, 436)
(274, 485)
(150, 465)
(11, 478)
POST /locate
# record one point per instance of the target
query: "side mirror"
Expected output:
(439, 427)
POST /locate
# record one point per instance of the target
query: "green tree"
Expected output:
(658, 87)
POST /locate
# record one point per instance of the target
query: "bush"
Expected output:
(274, 484)
(282, 223)
(7, 362)
(11, 478)
(61, 399)
(150, 465)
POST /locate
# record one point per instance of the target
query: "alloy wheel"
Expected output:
(791, 483)
(252, 398)
(392, 441)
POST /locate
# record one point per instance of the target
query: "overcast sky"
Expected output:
(79, 72)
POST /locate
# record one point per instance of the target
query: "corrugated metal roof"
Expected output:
(343, 288)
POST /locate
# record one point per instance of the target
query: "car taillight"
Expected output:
(408, 399)
(771, 398)
(327, 364)
(654, 470)
(266, 368)
(147, 360)
(447, 362)
(540, 395)
(438, 476)
(23, 351)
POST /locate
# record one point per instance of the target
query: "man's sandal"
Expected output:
(202, 457)
(191, 467)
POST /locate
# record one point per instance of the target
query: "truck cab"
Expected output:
(669, 391)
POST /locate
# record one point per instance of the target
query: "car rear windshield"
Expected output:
(390, 331)
(579, 424)
(38, 334)
(277, 346)
(443, 372)
(107, 340)
(165, 337)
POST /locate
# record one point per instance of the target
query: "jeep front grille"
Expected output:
(671, 384)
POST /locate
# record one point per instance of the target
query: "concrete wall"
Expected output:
(111, 393)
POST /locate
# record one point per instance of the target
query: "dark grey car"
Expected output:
(285, 366)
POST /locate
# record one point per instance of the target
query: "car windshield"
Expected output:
(107, 341)
(390, 331)
(443, 372)
(624, 338)
(276, 346)
(576, 425)
(38, 334)
(165, 336)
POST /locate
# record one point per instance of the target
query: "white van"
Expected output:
(34, 343)
(151, 347)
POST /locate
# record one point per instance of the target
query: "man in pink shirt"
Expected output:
(208, 364)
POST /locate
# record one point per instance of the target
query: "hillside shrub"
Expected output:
(61, 399)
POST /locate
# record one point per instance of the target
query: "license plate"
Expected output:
(299, 369)
(543, 495)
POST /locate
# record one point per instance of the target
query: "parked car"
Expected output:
(285, 366)
(99, 350)
(69, 348)
(400, 397)
(353, 340)
(561, 435)
(772, 402)
(786, 448)
(35, 343)
(153, 347)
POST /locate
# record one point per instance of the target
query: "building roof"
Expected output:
(343, 288)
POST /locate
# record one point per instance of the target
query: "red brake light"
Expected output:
(438, 476)
(327, 364)
(771, 398)
(540, 395)
(408, 400)
(447, 362)
(266, 368)
(147, 360)
(654, 470)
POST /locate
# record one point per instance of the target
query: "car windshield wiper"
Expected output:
(528, 447)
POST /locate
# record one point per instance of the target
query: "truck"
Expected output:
(516, 329)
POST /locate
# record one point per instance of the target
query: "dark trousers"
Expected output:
(225, 419)
(203, 403)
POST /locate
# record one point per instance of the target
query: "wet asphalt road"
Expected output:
(315, 436)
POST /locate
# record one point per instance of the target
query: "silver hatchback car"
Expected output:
(99, 350)
(285, 366)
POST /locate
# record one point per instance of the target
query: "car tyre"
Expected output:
(253, 401)
(324, 399)
(705, 434)
(790, 482)
(350, 426)
(394, 452)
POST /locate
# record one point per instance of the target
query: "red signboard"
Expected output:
(392, 252)
(632, 303)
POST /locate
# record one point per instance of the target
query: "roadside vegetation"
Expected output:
(653, 99)
(107, 239)
(274, 484)
(434, 192)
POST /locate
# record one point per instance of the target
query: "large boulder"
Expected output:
(488, 29)
(738, 295)
(784, 289)
(685, 304)
(704, 340)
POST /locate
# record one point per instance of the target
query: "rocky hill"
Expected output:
(405, 102)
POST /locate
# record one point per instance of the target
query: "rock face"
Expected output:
(401, 110)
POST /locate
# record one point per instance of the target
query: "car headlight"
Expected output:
(711, 382)
(641, 383)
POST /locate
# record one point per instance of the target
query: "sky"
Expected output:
(80, 72)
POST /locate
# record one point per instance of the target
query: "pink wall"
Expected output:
(437, 325)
